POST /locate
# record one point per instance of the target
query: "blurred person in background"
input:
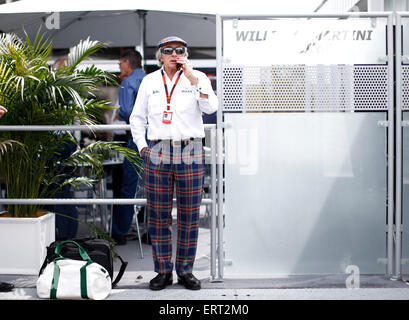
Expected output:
(130, 64)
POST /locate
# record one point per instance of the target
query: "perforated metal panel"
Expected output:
(301, 87)
(405, 87)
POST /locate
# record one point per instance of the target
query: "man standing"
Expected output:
(171, 101)
(130, 64)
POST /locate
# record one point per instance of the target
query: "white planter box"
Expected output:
(23, 243)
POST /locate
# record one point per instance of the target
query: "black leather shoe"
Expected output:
(161, 281)
(6, 287)
(189, 281)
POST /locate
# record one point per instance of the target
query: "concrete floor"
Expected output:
(134, 284)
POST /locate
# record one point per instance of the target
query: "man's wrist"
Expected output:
(194, 81)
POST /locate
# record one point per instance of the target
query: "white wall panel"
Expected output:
(305, 193)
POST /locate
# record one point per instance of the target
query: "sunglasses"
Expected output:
(169, 50)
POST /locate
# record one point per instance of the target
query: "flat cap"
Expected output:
(171, 39)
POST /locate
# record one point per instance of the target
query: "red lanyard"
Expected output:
(168, 97)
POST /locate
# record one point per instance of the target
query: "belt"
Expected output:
(178, 143)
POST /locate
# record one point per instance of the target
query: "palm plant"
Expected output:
(35, 93)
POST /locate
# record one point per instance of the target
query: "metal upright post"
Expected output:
(391, 142)
(398, 165)
(142, 28)
(214, 204)
(219, 135)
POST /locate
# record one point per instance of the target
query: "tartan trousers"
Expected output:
(167, 166)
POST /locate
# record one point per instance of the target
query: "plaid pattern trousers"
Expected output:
(167, 166)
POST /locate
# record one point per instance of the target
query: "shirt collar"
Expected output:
(167, 77)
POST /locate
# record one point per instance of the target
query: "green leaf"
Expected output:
(81, 51)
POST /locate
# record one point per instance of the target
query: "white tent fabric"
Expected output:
(117, 21)
(182, 6)
(119, 28)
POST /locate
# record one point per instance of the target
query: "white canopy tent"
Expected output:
(123, 23)
(130, 23)
(183, 6)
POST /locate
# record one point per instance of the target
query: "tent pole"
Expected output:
(142, 30)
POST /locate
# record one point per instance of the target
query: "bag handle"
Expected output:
(84, 255)
(121, 271)
(83, 273)
(56, 279)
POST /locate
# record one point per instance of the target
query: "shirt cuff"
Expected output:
(200, 88)
(141, 143)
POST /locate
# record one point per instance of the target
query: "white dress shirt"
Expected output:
(186, 106)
